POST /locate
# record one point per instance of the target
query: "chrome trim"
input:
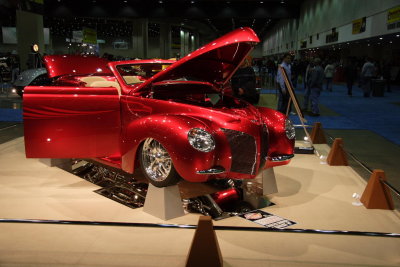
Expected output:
(212, 171)
(155, 160)
(281, 158)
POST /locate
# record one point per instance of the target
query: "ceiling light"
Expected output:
(397, 35)
(380, 38)
(160, 2)
(261, 2)
(125, 1)
(192, 2)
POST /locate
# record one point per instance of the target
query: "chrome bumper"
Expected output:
(280, 158)
(216, 170)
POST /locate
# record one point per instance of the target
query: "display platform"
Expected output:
(314, 195)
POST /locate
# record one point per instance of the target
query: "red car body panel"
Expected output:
(59, 123)
(58, 65)
(110, 125)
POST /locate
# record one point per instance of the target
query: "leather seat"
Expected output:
(106, 84)
(132, 79)
(91, 79)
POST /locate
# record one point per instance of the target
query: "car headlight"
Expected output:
(201, 140)
(289, 129)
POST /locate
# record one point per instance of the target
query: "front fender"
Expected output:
(278, 142)
(171, 131)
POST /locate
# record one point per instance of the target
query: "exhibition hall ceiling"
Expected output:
(217, 16)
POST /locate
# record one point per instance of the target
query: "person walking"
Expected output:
(329, 71)
(367, 73)
(284, 96)
(315, 84)
(350, 74)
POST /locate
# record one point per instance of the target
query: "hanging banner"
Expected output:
(89, 36)
(77, 36)
(359, 25)
(393, 15)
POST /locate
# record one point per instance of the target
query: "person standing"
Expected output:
(307, 91)
(244, 82)
(329, 71)
(295, 73)
(367, 73)
(350, 74)
(386, 74)
(316, 83)
(284, 96)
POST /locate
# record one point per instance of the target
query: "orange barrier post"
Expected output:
(317, 134)
(204, 250)
(376, 195)
(337, 156)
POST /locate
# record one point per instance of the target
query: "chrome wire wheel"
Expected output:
(155, 160)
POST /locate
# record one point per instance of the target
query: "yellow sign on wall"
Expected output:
(393, 15)
(359, 25)
(89, 36)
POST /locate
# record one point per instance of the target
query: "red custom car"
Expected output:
(173, 119)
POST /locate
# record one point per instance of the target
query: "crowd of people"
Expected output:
(318, 74)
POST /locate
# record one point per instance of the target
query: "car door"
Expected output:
(68, 122)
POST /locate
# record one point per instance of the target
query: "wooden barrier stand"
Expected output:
(376, 195)
(317, 134)
(337, 156)
(204, 250)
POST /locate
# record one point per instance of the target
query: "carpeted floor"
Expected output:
(380, 115)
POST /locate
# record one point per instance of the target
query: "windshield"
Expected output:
(138, 73)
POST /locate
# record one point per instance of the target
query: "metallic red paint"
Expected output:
(65, 122)
(58, 65)
(84, 122)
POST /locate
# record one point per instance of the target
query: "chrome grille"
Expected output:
(243, 150)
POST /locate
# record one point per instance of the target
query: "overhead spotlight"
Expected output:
(380, 38)
(397, 35)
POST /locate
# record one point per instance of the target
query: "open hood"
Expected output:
(215, 62)
(58, 65)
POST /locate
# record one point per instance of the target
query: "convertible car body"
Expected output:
(173, 119)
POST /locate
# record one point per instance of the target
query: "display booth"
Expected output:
(329, 225)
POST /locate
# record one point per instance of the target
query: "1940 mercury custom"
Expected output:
(172, 119)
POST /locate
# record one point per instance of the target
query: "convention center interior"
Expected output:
(200, 133)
